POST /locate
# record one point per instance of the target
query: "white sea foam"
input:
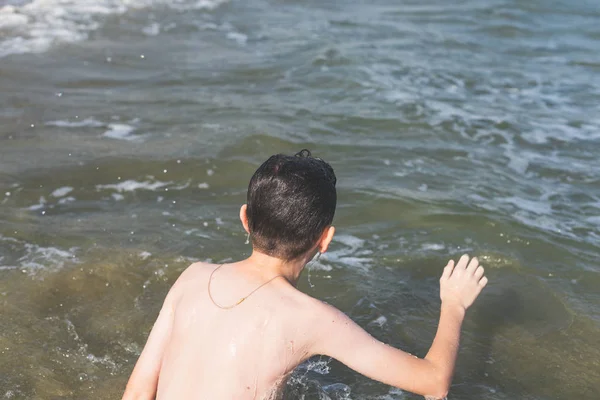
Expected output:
(240, 38)
(84, 123)
(132, 185)
(350, 254)
(152, 30)
(536, 207)
(121, 131)
(38, 257)
(197, 232)
(35, 26)
(319, 366)
(594, 220)
(433, 246)
(560, 130)
(38, 206)
(182, 187)
(66, 200)
(351, 241)
(394, 394)
(381, 320)
(62, 191)
(32, 257)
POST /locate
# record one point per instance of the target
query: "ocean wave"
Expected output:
(118, 131)
(35, 26)
(62, 191)
(121, 132)
(84, 123)
(30, 257)
(352, 253)
(131, 185)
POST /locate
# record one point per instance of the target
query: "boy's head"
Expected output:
(291, 201)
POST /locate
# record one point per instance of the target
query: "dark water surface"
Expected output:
(129, 131)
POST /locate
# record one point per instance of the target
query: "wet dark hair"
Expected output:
(291, 200)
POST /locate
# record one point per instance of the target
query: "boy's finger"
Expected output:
(479, 272)
(473, 264)
(462, 262)
(448, 270)
(483, 282)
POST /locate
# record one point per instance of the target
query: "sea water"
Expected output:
(129, 131)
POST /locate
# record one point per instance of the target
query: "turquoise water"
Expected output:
(129, 131)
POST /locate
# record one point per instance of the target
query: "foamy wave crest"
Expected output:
(35, 26)
(119, 131)
(351, 254)
(31, 257)
(85, 123)
(132, 185)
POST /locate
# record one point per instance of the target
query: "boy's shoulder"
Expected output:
(197, 270)
(312, 310)
(191, 276)
(304, 304)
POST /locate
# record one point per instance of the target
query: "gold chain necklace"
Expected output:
(240, 300)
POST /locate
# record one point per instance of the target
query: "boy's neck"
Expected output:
(269, 266)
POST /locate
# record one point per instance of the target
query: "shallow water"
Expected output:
(129, 131)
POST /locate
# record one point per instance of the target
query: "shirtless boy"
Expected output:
(235, 331)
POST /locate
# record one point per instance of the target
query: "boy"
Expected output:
(236, 331)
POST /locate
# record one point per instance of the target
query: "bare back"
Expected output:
(244, 352)
(197, 350)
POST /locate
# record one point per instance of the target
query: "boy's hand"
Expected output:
(461, 284)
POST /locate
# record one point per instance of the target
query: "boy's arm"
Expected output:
(339, 337)
(143, 382)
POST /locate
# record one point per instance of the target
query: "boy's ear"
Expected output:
(244, 217)
(326, 238)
